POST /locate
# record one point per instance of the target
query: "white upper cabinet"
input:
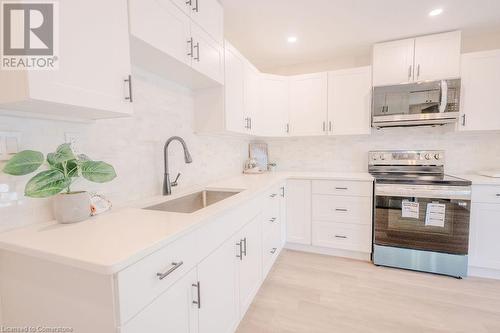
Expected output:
(393, 62)
(209, 15)
(437, 57)
(252, 100)
(274, 107)
(166, 41)
(308, 104)
(480, 81)
(433, 57)
(166, 28)
(349, 101)
(84, 86)
(208, 55)
(234, 91)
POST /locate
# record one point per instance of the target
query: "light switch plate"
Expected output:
(9, 144)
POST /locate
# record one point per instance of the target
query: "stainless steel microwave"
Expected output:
(416, 104)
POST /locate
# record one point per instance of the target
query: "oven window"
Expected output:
(421, 223)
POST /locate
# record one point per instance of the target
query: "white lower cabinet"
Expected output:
(249, 262)
(330, 215)
(484, 240)
(217, 275)
(298, 211)
(173, 311)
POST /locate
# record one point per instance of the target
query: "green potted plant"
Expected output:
(64, 167)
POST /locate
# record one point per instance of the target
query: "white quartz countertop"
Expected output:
(110, 242)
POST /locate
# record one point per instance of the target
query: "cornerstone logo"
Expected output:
(29, 35)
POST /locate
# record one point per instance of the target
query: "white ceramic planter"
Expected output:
(71, 207)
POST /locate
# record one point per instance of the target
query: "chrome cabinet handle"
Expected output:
(287, 128)
(409, 72)
(340, 236)
(340, 209)
(324, 126)
(273, 195)
(272, 219)
(250, 122)
(195, 8)
(197, 47)
(273, 250)
(418, 71)
(244, 240)
(330, 126)
(189, 2)
(198, 292)
(282, 191)
(129, 81)
(190, 43)
(241, 250)
(175, 265)
(341, 188)
(463, 120)
(498, 194)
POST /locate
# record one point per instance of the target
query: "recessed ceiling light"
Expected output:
(291, 39)
(436, 12)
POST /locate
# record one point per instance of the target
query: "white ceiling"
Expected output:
(329, 29)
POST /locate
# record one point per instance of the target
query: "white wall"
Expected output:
(133, 145)
(465, 151)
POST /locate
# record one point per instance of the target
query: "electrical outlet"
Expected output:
(9, 144)
(74, 140)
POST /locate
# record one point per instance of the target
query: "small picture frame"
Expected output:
(258, 152)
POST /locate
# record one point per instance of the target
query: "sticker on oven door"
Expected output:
(409, 209)
(435, 215)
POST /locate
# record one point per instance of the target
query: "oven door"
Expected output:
(422, 217)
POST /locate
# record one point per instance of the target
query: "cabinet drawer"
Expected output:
(342, 209)
(139, 284)
(271, 249)
(353, 237)
(486, 193)
(270, 226)
(342, 187)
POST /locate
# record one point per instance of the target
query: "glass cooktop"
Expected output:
(419, 179)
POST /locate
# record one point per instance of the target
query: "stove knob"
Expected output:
(437, 156)
(382, 157)
(374, 157)
(427, 156)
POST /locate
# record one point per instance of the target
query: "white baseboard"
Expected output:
(484, 272)
(330, 252)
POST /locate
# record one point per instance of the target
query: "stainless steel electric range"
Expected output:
(421, 215)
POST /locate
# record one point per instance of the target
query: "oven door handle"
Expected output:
(423, 191)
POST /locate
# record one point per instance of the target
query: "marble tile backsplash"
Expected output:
(134, 146)
(464, 151)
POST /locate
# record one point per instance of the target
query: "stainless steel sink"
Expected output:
(192, 202)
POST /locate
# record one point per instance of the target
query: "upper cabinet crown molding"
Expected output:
(84, 87)
(425, 58)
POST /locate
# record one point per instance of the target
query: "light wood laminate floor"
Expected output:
(311, 293)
